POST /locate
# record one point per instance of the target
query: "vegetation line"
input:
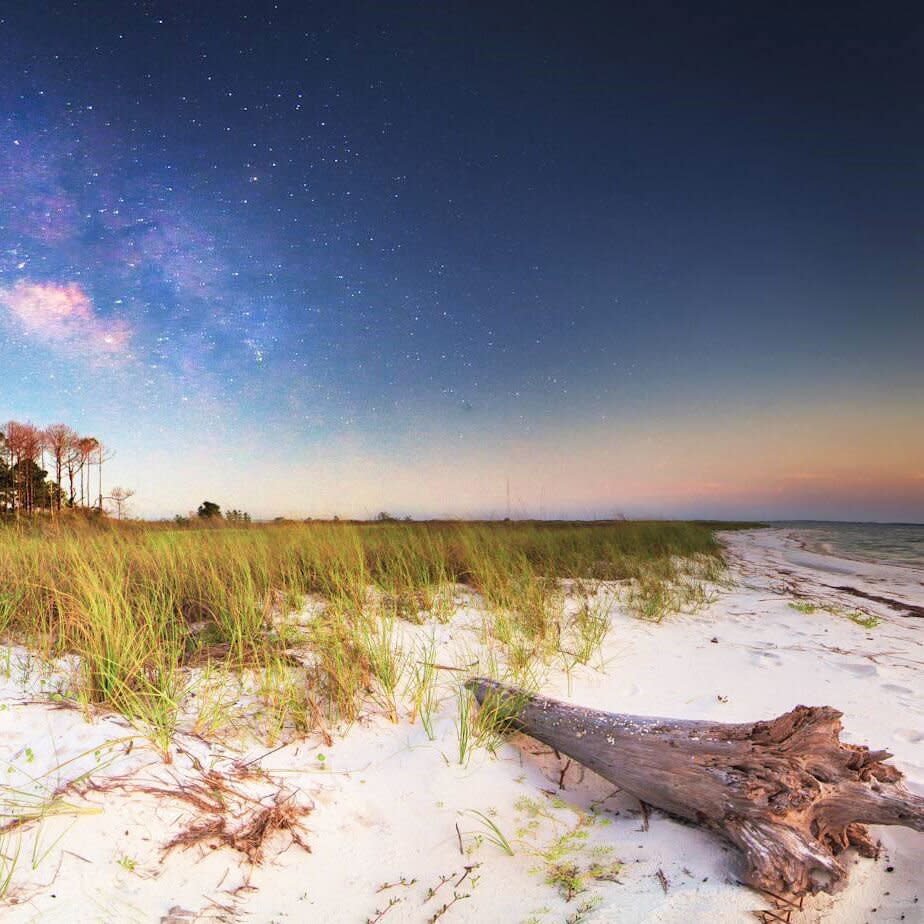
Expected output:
(156, 612)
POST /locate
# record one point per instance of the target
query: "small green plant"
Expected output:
(864, 620)
(587, 631)
(537, 916)
(496, 718)
(491, 832)
(803, 607)
(463, 725)
(605, 872)
(569, 861)
(422, 686)
(127, 863)
(491, 723)
(285, 696)
(9, 858)
(591, 626)
(32, 803)
(567, 878)
(387, 661)
(586, 907)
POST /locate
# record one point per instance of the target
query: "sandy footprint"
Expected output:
(896, 688)
(911, 735)
(859, 668)
(766, 658)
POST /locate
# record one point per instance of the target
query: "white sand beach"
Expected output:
(389, 807)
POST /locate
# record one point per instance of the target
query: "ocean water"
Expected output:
(893, 543)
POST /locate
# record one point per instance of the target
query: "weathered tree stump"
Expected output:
(786, 792)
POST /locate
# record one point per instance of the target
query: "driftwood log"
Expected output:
(786, 792)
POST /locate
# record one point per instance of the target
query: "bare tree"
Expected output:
(59, 439)
(120, 498)
(103, 454)
(72, 466)
(86, 447)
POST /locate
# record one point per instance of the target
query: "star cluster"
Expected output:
(422, 227)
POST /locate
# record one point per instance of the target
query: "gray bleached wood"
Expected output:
(786, 792)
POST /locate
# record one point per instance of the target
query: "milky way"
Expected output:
(356, 255)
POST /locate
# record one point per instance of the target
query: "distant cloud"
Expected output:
(63, 316)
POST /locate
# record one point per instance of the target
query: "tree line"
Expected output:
(51, 468)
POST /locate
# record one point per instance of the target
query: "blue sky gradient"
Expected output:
(335, 259)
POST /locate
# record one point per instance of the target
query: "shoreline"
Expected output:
(388, 806)
(830, 549)
(887, 588)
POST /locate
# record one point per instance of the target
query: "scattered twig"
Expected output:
(598, 802)
(459, 835)
(783, 908)
(564, 770)
(250, 836)
(464, 876)
(645, 815)
(783, 900)
(765, 915)
(448, 667)
(71, 852)
(261, 756)
(228, 909)
(662, 878)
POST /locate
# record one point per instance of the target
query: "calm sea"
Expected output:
(896, 543)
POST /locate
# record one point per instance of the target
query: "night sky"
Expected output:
(308, 259)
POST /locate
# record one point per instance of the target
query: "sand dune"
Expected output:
(389, 806)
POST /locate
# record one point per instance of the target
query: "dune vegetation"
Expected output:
(313, 618)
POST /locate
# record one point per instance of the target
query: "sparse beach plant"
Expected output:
(488, 725)
(10, 849)
(586, 630)
(341, 671)
(463, 724)
(591, 625)
(496, 717)
(490, 831)
(864, 620)
(422, 685)
(387, 660)
(283, 690)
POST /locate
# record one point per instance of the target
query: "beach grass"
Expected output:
(142, 605)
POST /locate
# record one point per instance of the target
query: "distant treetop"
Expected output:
(209, 510)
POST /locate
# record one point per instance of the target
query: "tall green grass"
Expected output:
(141, 603)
